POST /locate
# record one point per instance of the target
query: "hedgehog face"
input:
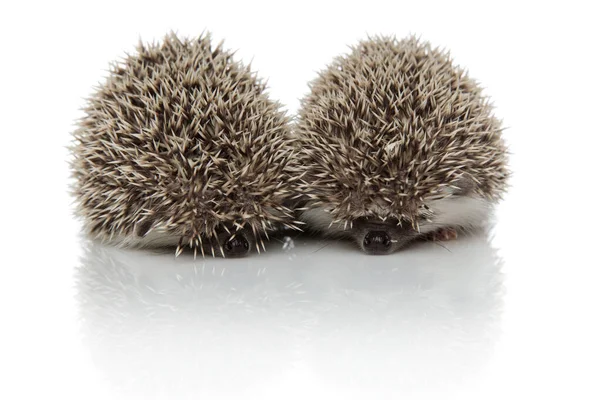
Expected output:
(229, 243)
(373, 235)
(379, 235)
(225, 241)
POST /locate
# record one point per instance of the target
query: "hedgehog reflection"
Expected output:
(155, 324)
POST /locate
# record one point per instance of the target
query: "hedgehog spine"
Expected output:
(181, 146)
(395, 141)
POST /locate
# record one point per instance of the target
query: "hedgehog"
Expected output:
(397, 143)
(181, 146)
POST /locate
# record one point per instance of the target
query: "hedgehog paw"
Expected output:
(444, 235)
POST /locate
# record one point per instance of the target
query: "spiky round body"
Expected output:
(182, 146)
(393, 134)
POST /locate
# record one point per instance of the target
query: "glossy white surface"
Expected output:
(345, 322)
(514, 315)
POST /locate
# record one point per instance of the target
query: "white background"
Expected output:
(509, 316)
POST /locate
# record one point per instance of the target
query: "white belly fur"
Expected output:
(462, 212)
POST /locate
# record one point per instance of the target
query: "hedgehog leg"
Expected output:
(444, 234)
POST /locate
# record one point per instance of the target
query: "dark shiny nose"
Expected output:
(377, 242)
(236, 247)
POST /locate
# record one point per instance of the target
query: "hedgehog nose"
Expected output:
(377, 242)
(236, 247)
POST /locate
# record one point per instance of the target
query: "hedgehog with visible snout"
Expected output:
(181, 146)
(397, 143)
